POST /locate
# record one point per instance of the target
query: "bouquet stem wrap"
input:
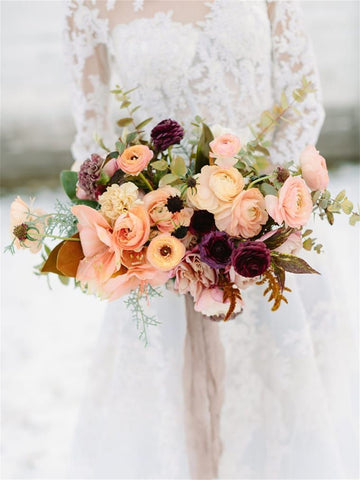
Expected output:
(204, 378)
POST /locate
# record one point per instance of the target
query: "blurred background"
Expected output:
(48, 337)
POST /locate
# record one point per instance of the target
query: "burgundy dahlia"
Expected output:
(201, 222)
(251, 259)
(215, 249)
(166, 133)
(89, 174)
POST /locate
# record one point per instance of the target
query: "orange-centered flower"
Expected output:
(165, 252)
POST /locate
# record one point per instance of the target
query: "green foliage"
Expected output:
(136, 303)
(203, 149)
(291, 263)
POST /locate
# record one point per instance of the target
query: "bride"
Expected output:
(286, 410)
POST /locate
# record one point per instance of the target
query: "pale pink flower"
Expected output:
(293, 204)
(241, 282)
(314, 169)
(21, 215)
(246, 215)
(98, 247)
(211, 303)
(192, 275)
(160, 217)
(216, 188)
(224, 149)
(111, 167)
(134, 159)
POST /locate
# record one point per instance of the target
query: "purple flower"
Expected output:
(215, 249)
(166, 133)
(201, 222)
(251, 259)
(89, 174)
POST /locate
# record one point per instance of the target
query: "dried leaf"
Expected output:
(278, 238)
(50, 264)
(69, 257)
(123, 122)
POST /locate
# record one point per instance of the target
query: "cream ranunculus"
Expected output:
(216, 187)
(118, 199)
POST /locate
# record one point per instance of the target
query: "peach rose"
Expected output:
(132, 229)
(215, 188)
(23, 222)
(314, 169)
(165, 252)
(134, 159)
(224, 148)
(211, 303)
(245, 216)
(166, 221)
(192, 275)
(293, 205)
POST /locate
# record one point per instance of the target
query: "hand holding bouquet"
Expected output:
(207, 215)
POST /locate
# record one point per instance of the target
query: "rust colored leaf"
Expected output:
(50, 266)
(69, 257)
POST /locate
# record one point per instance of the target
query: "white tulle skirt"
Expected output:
(290, 389)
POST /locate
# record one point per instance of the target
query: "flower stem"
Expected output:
(261, 179)
(71, 239)
(146, 181)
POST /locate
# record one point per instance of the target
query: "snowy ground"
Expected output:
(48, 338)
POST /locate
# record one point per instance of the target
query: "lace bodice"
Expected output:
(226, 60)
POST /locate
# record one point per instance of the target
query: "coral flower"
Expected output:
(293, 205)
(134, 159)
(96, 241)
(138, 273)
(24, 223)
(165, 252)
(132, 229)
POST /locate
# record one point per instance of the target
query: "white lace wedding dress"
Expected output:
(287, 410)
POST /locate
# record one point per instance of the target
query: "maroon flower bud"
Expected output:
(202, 222)
(251, 259)
(215, 249)
(166, 133)
(89, 175)
(282, 174)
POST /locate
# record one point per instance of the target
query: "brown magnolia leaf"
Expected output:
(50, 266)
(69, 257)
(278, 238)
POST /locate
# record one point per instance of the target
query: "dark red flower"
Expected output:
(202, 222)
(251, 259)
(166, 133)
(215, 249)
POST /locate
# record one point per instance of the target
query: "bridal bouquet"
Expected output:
(206, 213)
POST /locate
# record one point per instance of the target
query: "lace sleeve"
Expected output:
(86, 39)
(292, 58)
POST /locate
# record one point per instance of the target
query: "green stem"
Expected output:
(261, 179)
(146, 181)
(71, 239)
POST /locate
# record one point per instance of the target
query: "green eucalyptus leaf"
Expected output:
(168, 179)
(340, 196)
(144, 123)
(160, 165)
(347, 206)
(307, 244)
(123, 122)
(178, 166)
(131, 137)
(120, 146)
(267, 189)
